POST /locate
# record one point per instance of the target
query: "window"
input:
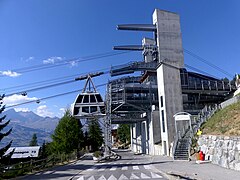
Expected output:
(86, 99)
(76, 111)
(99, 98)
(92, 99)
(161, 100)
(163, 120)
(79, 99)
(85, 109)
(93, 109)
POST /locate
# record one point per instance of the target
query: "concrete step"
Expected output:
(182, 149)
(181, 159)
(181, 153)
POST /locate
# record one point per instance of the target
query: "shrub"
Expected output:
(97, 154)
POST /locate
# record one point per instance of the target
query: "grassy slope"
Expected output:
(224, 122)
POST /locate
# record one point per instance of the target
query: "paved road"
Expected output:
(129, 167)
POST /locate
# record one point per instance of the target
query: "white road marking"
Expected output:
(113, 169)
(135, 168)
(101, 169)
(91, 169)
(81, 178)
(112, 178)
(147, 167)
(122, 177)
(102, 178)
(124, 168)
(155, 175)
(91, 178)
(133, 176)
(144, 176)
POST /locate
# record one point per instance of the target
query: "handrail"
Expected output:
(206, 113)
(175, 145)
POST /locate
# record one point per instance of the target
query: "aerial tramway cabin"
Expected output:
(89, 103)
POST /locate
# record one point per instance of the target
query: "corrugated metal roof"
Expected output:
(24, 152)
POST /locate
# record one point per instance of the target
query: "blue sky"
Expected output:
(36, 32)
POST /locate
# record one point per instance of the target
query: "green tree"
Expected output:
(43, 153)
(34, 141)
(226, 80)
(68, 134)
(95, 135)
(86, 139)
(4, 159)
(123, 133)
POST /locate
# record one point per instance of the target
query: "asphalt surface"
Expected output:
(129, 167)
(191, 170)
(137, 167)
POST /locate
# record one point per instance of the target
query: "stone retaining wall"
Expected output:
(221, 150)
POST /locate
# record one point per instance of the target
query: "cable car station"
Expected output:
(149, 102)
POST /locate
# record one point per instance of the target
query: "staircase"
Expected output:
(182, 145)
(182, 149)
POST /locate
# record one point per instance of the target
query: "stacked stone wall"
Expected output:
(221, 150)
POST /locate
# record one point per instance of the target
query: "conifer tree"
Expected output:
(4, 159)
(86, 139)
(68, 135)
(43, 150)
(95, 135)
(123, 133)
(34, 141)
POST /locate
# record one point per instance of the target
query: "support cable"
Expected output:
(200, 71)
(208, 63)
(48, 82)
(50, 97)
(48, 86)
(65, 62)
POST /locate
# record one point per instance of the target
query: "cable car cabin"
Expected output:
(88, 104)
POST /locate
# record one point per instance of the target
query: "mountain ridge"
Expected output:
(25, 124)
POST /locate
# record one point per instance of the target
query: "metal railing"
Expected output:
(206, 113)
(175, 145)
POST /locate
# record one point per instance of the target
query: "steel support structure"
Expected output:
(107, 119)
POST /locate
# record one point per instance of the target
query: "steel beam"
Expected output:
(137, 27)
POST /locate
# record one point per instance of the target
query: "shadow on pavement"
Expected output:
(59, 172)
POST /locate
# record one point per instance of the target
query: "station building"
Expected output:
(165, 87)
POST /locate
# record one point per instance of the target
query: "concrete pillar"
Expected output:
(169, 42)
(151, 137)
(137, 139)
(131, 134)
(144, 139)
(134, 138)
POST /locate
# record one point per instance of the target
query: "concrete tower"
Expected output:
(169, 42)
